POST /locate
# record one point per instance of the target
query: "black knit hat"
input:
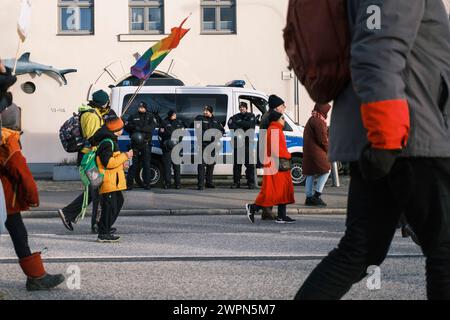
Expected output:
(275, 101)
(209, 108)
(100, 98)
(170, 113)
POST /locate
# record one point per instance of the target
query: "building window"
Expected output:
(147, 16)
(76, 16)
(218, 16)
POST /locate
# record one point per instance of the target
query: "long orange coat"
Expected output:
(277, 187)
(18, 183)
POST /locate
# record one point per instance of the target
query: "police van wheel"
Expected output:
(156, 173)
(296, 172)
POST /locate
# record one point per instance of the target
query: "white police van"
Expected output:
(164, 94)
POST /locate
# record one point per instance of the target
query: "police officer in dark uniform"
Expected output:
(140, 126)
(243, 121)
(168, 126)
(207, 121)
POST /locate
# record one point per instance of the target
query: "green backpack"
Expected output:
(90, 175)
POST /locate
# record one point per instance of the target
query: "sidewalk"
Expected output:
(185, 201)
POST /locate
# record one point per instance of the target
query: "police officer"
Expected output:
(207, 122)
(243, 121)
(140, 126)
(168, 126)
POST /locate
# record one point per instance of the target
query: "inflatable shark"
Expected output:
(24, 65)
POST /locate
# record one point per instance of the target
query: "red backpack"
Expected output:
(317, 42)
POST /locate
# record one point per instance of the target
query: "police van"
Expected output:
(163, 94)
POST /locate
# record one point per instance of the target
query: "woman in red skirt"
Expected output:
(277, 187)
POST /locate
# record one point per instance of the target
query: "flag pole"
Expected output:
(135, 94)
(17, 57)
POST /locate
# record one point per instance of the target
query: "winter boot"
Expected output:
(318, 200)
(38, 279)
(309, 201)
(267, 214)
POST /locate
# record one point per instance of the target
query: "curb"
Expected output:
(44, 214)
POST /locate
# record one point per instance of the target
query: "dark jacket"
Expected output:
(208, 123)
(110, 161)
(242, 121)
(165, 132)
(400, 80)
(315, 143)
(6, 81)
(142, 122)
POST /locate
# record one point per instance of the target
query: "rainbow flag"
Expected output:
(148, 62)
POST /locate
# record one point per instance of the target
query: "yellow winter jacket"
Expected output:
(90, 122)
(114, 179)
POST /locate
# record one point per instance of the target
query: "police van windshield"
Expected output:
(191, 105)
(157, 103)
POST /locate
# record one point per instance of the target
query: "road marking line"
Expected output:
(8, 260)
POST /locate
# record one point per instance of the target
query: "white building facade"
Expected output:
(228, 40)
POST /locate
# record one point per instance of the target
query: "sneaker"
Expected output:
(210, 186)
(250, 212)
(235, 186)
(288, 220)
(66, 222)
(177, 187)
(251, 186)
(107, 238)
(200, 188)
(45, 283)
(280, 220)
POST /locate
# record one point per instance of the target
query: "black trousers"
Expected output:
(168, 165)
(141, 159)
(201, 168)
(242, 157)
(19, 235)
(416, 187)
(111, 205)
(73, 209)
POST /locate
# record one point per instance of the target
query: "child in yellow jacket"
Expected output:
(111, 162)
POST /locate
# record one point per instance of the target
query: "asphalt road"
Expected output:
(201, 257)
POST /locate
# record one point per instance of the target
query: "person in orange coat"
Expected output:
(277, 187)
(20, 194)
